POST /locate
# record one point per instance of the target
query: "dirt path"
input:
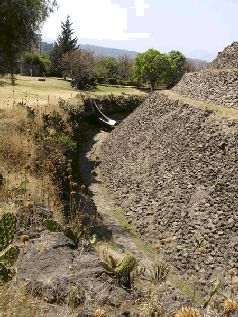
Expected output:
(111, 215)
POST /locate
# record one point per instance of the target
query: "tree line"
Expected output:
(17, 29)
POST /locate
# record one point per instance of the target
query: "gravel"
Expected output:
(172, 168)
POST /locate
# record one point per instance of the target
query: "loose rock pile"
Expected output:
(212, 86)
(217, 84)
(228, 58)
(172, 167)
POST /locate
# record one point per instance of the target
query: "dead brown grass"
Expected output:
(18, 154)
(219, 110)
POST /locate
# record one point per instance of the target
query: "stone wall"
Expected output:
(218, 87)
(173, 169)
(228, 58)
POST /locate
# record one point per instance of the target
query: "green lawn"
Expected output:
(33, 91)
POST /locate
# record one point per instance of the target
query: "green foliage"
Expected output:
(107, 67)
(178, 62)
(7, 256)
(65, 43)
(7, 229)
(73, 298)
(151, 66)
(109, 264)
(154, 67)
(19, 20)
(5, 274)
(54, 121)
(52, 225)
(127, 264)
(73, 235)
(76, 113)
(158, 272)
(41, 60)
(121, 268)
(68, 141)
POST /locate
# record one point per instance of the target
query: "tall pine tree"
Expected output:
(65, 43)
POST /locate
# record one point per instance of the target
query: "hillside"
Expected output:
(115, 52)
(172, 168)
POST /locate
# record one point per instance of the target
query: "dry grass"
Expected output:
(37, 93)
(18, 154)
(15, 302)
(34, 92)
(219, 110)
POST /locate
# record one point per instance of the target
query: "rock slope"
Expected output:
(228, 58)
(218, 83)
(173, 169)
(218, 87)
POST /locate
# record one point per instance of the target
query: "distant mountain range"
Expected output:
(107, 51)
(199, 62)
(114, 52)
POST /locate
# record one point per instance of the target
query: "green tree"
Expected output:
(19, 20)
(152, 67)
(107, 67)
(40, 60)
(178, 61)
(65, 43)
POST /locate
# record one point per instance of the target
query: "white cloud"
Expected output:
(140, 7)
(95, 19)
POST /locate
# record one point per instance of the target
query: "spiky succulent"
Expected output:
(7, 229)
(126, 265)
(188, 311)
(8, 254)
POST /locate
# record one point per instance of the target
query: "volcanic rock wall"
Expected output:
(228, 58)
(217, 87)
(173, 169)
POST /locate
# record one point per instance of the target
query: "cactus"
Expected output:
(109, 264)
(126, 265)
(7, 229)
(5, 274)
(52, 225)
(121, 269)
(8, 254)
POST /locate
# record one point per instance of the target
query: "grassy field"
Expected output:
(33, 91)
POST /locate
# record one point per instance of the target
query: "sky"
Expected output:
(197, 28)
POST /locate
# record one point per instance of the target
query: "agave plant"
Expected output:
(122, 269)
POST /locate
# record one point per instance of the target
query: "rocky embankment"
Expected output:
(217, 87)
(218, 83)
(228, 58)
(173, 169)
